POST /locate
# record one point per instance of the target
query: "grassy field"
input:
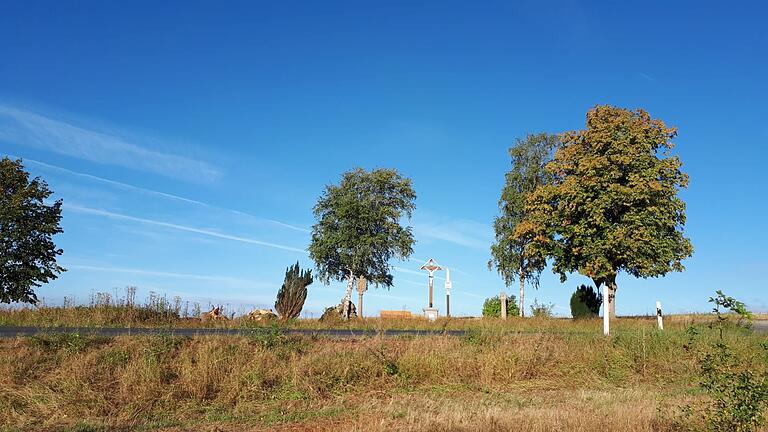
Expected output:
(531, 375)
(145, 316)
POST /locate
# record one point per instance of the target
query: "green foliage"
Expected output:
(738, 395)
(115, 357)
(612, 204)
(492, 307)
(85, 427)
(474, 336)
(541, 310)
(358, 226)
(737, 390)
(510, 253)
(161, 347)
(71, 342)
(723, 302)
(27, 226)
(275, 340)
(586, 302)
(293, 292)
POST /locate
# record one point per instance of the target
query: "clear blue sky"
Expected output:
(190, 140)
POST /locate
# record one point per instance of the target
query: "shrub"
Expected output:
(738, 392)
(738, 395)
(586, 302)
(541, 310)
(492, 307)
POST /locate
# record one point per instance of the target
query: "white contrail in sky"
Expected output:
(158, 193)
(155, 273)
(112, 215)
(36, 130)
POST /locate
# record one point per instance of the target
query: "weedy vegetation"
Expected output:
(537, 374)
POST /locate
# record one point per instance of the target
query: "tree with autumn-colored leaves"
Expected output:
(612, 205)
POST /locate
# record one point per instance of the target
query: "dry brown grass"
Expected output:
(483, 381)
(123, 316)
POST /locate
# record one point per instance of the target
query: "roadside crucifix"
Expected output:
(431, 266)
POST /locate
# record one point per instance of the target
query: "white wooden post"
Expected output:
(503, 298)
(659, 317)
(448, 286)
(606, 313)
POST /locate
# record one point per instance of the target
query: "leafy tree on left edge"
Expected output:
(27, 226)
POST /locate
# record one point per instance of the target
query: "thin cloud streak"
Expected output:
(466, 293)
(119, 216)
(160, 194)
(36, 130)
(462, 232)
(111, 269)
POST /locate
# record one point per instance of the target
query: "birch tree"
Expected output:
(358, 228)
(511, 255)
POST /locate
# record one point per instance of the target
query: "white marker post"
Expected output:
(606, 313)
(659, 317)
(448, 286)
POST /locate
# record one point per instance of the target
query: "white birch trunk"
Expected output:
(348, 296)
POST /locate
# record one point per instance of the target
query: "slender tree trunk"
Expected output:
(347, 296)
(522, 295)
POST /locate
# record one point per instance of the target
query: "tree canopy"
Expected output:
(613, 203)
(27, 226)
(510, 253)
(358, 228)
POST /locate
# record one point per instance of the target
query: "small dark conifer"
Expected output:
(293, 293)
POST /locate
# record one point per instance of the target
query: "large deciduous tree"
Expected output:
(27, 226)
(293, 292)
(511, 255)
(358, 228)
(613, 203)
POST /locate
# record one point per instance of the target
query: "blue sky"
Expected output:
(190, 140)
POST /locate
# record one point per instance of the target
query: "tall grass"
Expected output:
(107, 310)
(485, 380)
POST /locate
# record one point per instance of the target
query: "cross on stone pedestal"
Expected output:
(431, 266)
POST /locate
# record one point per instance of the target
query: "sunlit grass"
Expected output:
(487, 379)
